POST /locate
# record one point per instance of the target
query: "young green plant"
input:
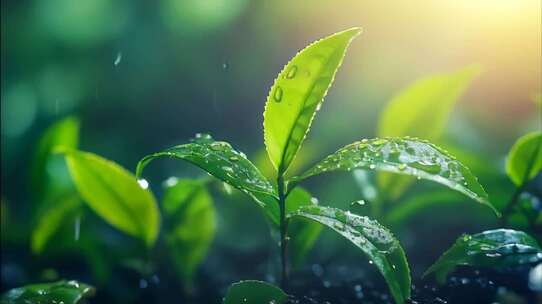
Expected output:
(292, 103)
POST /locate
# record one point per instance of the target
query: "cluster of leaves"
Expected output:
(125, 201)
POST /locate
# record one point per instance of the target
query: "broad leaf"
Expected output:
(64, 133)
(115, 195)
(64, 208)
(377, 242)
(254, 292)
(525, 158)
(297, 94)
(67, 292)
(189, 217)
(219, 159)
(492, 248)
(302, 232)
(407, 156)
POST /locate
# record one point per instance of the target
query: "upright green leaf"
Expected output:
(189, 217)
(423, 108)
(63, 133)
(408, 156)
(302, 232)
(377, 242)
(219, 159)
(67, 292)
(492, 248)
(525, 158)
(64, 208)
(254, 292)
(297, 94)
(115, 195)
(426, 102)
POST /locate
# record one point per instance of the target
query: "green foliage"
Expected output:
(297, 94)
(65, 208)
(525, 158)
(303, 233)
(115, 195)
(219, 159)
(64, 133)
(407, 156)
(421, 110)
(67, 292)
(189, 218)
(492, 248)
(254, 292)
(377, 242)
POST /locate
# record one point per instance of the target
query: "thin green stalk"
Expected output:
(283, 232)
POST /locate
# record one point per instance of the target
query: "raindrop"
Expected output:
(318, 107)
(402, 167)
(372, 166)
(171, 181)
(291, 72)
(143, 183)
(234, 158)
(118, 59)
(225, 66)
(358, 203)
(371, 262)
(277, 95)
(77, 228)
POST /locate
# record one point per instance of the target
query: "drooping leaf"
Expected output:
(407, 156)
(426, 102)
(189, 217)
(67, 292)
(63, 133)
(219, 159)
(297, 94)
(377, 242)
(254, 292)
(115, 195)
(302, 232)
(493, 248)
(64, 208)
(525, 158)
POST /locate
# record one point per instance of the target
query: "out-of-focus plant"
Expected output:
(67, 292)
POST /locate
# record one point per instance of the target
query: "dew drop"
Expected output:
(234, 158)
(277, 95)
(402, 167)
(291, 72)
(372, 166)
(118, 59)
(143, 183)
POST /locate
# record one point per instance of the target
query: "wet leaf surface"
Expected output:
(298, 93)
(493, 248)
(407, 156)
(66, 292)
(377, 242)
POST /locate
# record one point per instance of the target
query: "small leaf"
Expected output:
(407, 156)
(219, 159)
(254, 292)
(189, 216)
(525, 158)
(297, 94)
(67, 292)
(66, 207)
(493, 248)
(63, 133)
(115, 195)
(377, 242)
(303, 233)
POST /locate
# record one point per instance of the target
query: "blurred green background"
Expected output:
(145, 75)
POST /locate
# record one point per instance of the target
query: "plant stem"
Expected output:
(283, 232)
